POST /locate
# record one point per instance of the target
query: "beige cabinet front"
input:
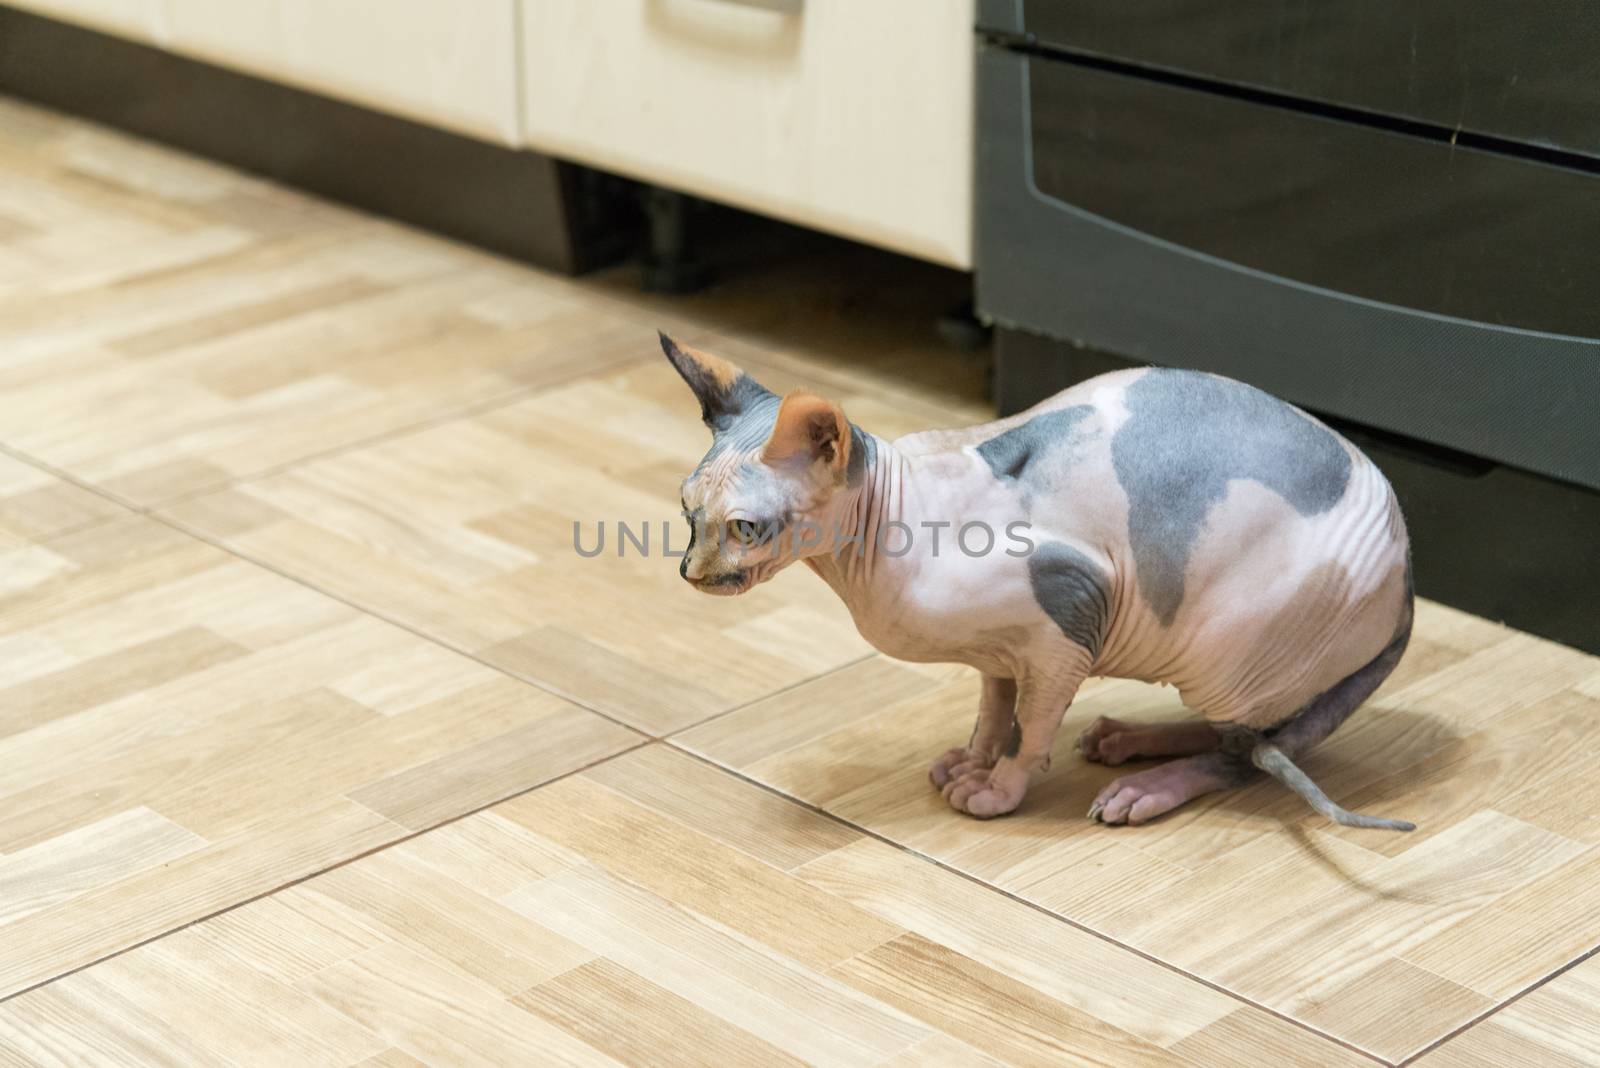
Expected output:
(449, 64)
(139, 20)
(853, 116)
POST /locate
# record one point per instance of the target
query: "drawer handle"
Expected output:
(788, 7)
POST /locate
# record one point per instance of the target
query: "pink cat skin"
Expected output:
(1157, 524)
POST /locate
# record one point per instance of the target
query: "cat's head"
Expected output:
(763, 495)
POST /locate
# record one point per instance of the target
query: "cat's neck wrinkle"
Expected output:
(879, 499)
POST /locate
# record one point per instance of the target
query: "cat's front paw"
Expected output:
(988, 792)
(954, 764)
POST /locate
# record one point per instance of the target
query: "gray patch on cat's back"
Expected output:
(1073, 591)
(1187, 435)
(1013, 455)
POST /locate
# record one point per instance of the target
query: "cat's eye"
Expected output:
(743, 531)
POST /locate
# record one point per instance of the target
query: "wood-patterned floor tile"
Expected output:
(662, 1028)
(1362, 1011)
(1245, 889)
(1560, 1016)
(1129, 992)
(465, 531)
(1269, 1039)
(480, 937)
(1492, 1045)
(608, 918)
(88, 1021)
(1506, 949)
(391, 1058)
(693, 792)
(236, 1013)
(1555, 1026)
(183, 731)
(779, 1000)
(288, 935)
(999, 1015)
(34, 504)
(687, 867)
(411, 429)
(942, 1051)
(439, 1016)
(105, 851)
(172, 324)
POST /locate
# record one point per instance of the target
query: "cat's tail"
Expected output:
(1275, 762)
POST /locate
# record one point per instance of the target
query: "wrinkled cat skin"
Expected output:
(1183, 528)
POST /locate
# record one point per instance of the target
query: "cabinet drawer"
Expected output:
(846, 116)
(451, 65)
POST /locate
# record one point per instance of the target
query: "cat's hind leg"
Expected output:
(1158, 790)
(1114, 741)
(1148, 794)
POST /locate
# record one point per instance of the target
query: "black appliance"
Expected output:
(1385, 211)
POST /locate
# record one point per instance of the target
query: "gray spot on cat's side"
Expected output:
(1014, 743)
(1073, 591)
(1014, 455)
(1187, 435)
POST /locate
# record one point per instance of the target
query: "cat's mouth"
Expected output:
(729, 584)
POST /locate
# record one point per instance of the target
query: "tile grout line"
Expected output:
(536, 683)
(644, 742)
(1495, 1010)
(75, 528)
(936, 862)
(644, 738)
(153, 512)
(224, 547)
(478, 408)
(780, 691)
(308, 876)
(669, 738)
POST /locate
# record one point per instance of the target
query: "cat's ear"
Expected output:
(811, 428)
(723, 390)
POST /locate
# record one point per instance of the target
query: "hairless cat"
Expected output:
(1153, 524)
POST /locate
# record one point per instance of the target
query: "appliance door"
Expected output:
(1415, 286)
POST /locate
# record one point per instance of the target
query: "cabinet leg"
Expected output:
(670, 265)
(961, 328)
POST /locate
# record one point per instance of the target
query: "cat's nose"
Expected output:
(693, 571)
